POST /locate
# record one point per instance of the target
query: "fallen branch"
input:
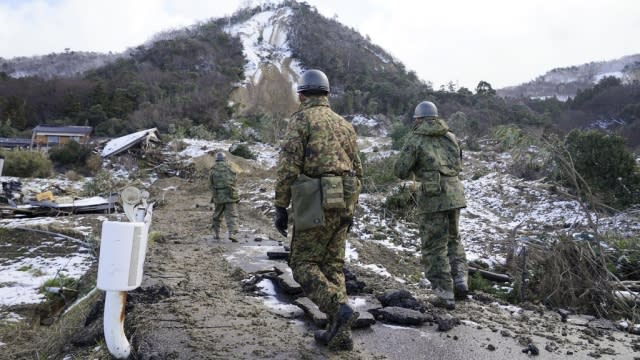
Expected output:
(83, 243)
(490, 275)
(199, 327)
(627, 285)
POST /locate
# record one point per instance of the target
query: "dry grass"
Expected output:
(574, 275)
(29, 340)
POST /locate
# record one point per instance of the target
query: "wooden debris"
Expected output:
(490, 275)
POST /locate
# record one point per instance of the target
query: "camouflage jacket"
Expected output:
(222, 183)
(432, 153)
(317, 142)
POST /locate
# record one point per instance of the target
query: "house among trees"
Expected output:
(51, 135)
(12, 143)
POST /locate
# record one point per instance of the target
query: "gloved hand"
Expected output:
(281, 220)
(347, 221)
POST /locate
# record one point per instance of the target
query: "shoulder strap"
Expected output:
(452, 138)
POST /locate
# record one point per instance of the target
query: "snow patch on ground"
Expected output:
(196, 147)
(361, 120)
(376, 148)
(616, 74)
(28, 222)
(10, 317)
(22, 277)
(266, 154)
(351, 254)
(272, 302)
(380, 270)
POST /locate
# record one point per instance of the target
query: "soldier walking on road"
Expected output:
(222, 182)
(433, 155)
(319, 172)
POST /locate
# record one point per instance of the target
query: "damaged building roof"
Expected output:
(123, 143)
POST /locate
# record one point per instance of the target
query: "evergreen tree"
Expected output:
(485, 89)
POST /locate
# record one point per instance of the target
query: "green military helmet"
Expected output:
(425, 109)
(314, 81)
(220, 156)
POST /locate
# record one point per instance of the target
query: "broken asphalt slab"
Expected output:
(440, 335)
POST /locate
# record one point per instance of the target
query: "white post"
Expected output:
(114, 336)
(122, 251)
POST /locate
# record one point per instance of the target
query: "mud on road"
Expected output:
(198, 309)
(203, 312)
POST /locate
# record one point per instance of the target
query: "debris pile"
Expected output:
(18, 201)
(392, 306)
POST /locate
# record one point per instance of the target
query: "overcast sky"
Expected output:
(504, 42)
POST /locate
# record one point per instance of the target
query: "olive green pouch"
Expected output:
(332, 193)
(352, 187)
(306, 203)
(222, 195)
(430, 183)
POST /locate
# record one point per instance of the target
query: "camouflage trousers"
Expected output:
(230, 212)
(317, 259)
(443, 256)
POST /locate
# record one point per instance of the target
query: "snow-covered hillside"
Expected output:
(565, 82)
(53, 65)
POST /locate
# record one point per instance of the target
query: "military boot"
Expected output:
(216, 234)
(323, 336)
(233, 237)
(443, 298)
(460, 287)
(340, 335)
(459, 272)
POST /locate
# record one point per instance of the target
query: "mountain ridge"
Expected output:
(67, 64)
(565, 82)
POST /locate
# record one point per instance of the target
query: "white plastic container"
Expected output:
(122, 251)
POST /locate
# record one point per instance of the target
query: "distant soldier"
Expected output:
(319, 172)
(222, 182)
(432, 153)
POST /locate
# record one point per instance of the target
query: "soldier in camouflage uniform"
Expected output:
(222, 182)
(432, 154)
(319, 145)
